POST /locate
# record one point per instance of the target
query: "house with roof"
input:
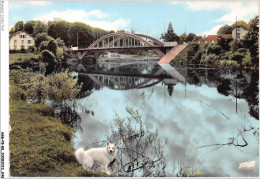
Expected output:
(238, 32)
(21, 40)
(214, 38)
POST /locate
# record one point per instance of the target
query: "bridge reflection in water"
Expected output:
(129, 75)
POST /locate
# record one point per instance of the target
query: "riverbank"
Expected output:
(40, 144)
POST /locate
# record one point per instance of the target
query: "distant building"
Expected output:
(213, 38)
(20, 40)
(240, 31)
(170, 44)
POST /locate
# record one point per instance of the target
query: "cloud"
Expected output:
(95, 18)
(39, 3)
(212, 31)
(243, 10)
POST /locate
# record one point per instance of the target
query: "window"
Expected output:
(22, 41)
(15, 47)
(29, 41)
(21, 36)
(15, 41)
(22, 47)
(238, 36)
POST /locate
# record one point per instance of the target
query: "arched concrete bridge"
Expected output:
(121, 41)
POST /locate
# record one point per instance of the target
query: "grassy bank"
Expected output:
(40, 145)
(22, 57)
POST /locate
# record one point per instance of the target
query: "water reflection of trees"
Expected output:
(237, 83)
(141, 151)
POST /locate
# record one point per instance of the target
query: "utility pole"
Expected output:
(236, 27)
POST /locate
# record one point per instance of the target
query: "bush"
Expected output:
(215, 49)
(59, 54)
(48, 56)
(52, 46)
(41, 37)
(211, 59)
(43, 45)
(61, 87)
(228, 63)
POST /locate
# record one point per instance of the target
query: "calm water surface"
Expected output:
(211, 107)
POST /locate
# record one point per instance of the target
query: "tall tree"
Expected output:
(39, 27)
(18, 26)
(225, 29)
(170, 35)
(28, 26)
(59, 29)
(85, 34)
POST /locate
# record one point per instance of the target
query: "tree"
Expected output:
(251, 41)
(190, 37)
(59, 29)
(39, 27)
(183, 37)
(170, 36)
(85, 34)
(48, 56)
(18, 26)
(224, 43)
(241, 22)
(41, 37)
(192, 50)
(225, 29)
(12, 30)
(28, 27)
(214, 48)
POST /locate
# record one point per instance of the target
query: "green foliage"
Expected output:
(85, 34)
(39, 27)
(251, 41)
(225, 29)
(190, 37)
(214, 49)
(28, 27)
(192, 49)
(41, 37)
(170, 36)
(48, 56)
(59, 29)
(18, 26)
(186, 172)
(12, 30)
(22, 57)
(224, 43)
(43, 45)
(210, 59)
(228, 63)
(59, 54)
(52, 46)
(61, 87)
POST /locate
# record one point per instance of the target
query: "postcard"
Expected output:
(129, 88)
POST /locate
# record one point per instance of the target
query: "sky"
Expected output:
(147, 17)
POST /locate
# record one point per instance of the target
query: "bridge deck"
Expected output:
(121, 48)
(172, 54)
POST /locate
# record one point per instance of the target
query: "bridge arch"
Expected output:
(121, 35)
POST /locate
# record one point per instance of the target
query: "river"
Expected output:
(209, 117)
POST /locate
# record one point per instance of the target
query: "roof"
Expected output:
(18, 33)
(245, 26)
(214, 38)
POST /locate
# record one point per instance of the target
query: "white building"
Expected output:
(240, 31)
(20, 40)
